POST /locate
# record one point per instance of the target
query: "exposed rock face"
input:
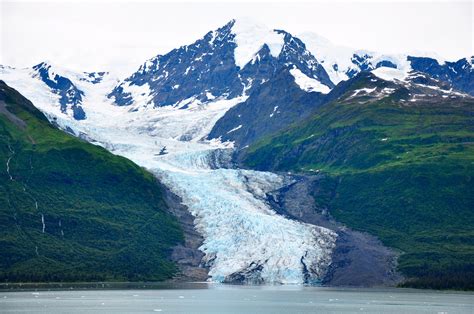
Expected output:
(186, 255)
(270, 107)
(70, 97)
(459, 74)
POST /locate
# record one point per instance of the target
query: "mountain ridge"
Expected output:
(208, 69)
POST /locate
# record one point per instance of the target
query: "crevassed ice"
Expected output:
(244, 239)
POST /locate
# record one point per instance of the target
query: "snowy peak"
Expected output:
(63, 90)
(205, 67)
(70, 97)
(226, 63)
(54, 69)
(231, 62)
(343, 62)
(250, 37)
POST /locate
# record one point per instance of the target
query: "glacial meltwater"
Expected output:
(218, 298)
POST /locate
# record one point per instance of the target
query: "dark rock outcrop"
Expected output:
(270, 108)
(187, 255)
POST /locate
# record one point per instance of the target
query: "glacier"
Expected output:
(245, 240)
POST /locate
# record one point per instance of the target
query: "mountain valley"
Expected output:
(249, 156)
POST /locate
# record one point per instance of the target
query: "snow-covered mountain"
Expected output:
(342, 63)
(460, 74)
(228, 62)
(409, 88)
(64, 90)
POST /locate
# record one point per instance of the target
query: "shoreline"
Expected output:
(102, 285)
(190, 285)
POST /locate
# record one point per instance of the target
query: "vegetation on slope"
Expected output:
(71, 211)
(400, 170)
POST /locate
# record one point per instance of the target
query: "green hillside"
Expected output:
(104, 217)
(401, 170)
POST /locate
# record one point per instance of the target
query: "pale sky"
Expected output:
(120, 35)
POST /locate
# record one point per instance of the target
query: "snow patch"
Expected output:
(390, 74)
(140, 94)
(43, 223)
(274, 110)
(387, 90)
(234, 129)
(363, 91)
(210, 96)
(308, 84)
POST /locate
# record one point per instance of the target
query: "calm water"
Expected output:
(237, 299)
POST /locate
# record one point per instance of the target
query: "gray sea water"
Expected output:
(216, 298)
